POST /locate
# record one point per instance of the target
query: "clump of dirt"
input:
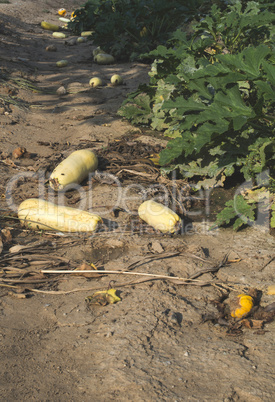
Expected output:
(172, 335)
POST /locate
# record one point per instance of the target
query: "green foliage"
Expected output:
(213, 96)
(220, 113)
(272, 220)
(237, 210)
(240, 26)
(126, 28)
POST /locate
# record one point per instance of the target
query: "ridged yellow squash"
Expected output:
(159, 216)
(35, 213)
(74, 169)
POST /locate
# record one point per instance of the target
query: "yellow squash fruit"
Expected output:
(84, 34)
(49, 27)
(81, 39)
(74, 169)
(61, 63)
(104, 58)
(245, 305)
(159, 216)
(116, 80)
(102, 298)
(59, 35)
(98, 50)
(62, 12)
(35, 213)
(62, 19)
(95, 82)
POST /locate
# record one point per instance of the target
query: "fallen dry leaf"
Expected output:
(18, 152)
(87, 267)
(6, 235)
(17, 247)
(253, 324)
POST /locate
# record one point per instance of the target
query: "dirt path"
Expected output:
(164, 340)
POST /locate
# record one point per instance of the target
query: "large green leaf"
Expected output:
(248, 61)
(175, 148)
(184, 105)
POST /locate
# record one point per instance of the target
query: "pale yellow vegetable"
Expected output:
(62, 63)
(95, 82)
(35, 213)
(59, 35)
(116, 79)
(86, 33)
(159, 216)
(81, 39)
(66, 20)
(104, 58)
(98, 50)
(74, 169)
(49, 27)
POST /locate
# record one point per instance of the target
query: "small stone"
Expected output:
(61, 91)
(175, 319)
(71, 42)
(156, 247)
(51, 48)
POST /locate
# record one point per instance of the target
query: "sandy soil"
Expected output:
(164, 340)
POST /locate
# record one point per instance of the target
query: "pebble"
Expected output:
(51, 48)
(61, 91)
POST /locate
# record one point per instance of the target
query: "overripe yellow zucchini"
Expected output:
(84, 34)
(81, 39)
(74, 169)
(104, 58)
(61, 63)
(49, 27)
(59, 35)
(35, 213)
(159, 216)
(62, 12)
(66, 20)
(245, 305)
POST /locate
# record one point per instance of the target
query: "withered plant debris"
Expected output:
(127, 159)
(22, 265)
(255, 319)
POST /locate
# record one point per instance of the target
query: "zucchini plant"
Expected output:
(213, 96)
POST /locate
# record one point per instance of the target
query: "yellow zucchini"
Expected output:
(159, 216)
(59, 35)
(74, 169)
(81, 39)
(35, 213)
(84, 34)
(66, 20)
(245, 305)
(104, 58)
(61, 63)
(49, 27)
